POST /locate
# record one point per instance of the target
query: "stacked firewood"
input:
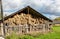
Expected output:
(22, 19)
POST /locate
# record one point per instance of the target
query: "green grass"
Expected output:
(56, 28)
(53, 35)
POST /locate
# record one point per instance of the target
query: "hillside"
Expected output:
(57, 18)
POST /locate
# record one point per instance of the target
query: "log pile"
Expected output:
(22, 19)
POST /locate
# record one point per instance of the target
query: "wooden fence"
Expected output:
(22, 29)
(26, 29)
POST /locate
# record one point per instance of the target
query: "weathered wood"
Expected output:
(29, 24)
(2, 33)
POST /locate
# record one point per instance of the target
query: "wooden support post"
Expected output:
(48, 26)
(26, 28)
(2, 29)
(21, 28)
(27, 25)
(28, 16)
(43, 28)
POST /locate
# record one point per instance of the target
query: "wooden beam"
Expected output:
(3, 27)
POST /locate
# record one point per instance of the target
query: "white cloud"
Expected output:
(12, 5)
(55, 7)
(41, 2)
(46, 6)
(7, 13)
(51, 16)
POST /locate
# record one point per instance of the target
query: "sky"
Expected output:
(49, 8)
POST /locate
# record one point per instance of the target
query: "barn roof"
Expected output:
(34, 12)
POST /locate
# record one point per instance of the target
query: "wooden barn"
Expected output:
(27, 20)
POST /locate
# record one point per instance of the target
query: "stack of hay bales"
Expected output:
(22, 19)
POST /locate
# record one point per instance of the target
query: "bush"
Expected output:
(14, 36)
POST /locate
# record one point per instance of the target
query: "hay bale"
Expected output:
(24, 19)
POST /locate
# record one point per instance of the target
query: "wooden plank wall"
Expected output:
(25, 29)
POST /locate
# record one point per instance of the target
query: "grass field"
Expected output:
(53, 35)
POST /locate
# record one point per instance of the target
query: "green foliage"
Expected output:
(12, 36)
(53, 35)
